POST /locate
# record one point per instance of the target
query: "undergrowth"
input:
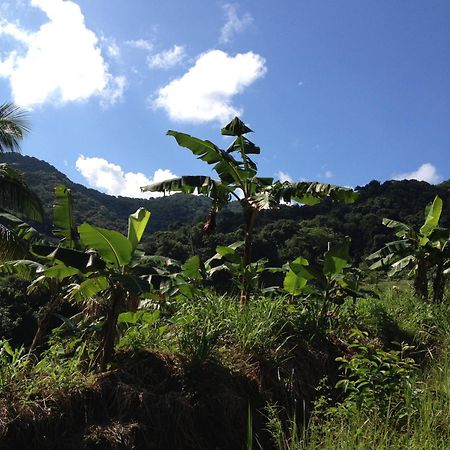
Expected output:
(393, 386)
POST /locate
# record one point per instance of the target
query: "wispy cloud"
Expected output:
(60, 62)
(206, 91)
(114, 91)
(141, 44)
(167, 58)
(234, 24)
(426, 172)
(112, 179)
(112, 48)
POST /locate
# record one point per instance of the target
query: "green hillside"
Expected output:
(101, 209)
(281, 235)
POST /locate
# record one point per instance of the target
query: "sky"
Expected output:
(337, 91)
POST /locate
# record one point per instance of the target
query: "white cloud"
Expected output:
(167, 58)
(141, 44)
(328, 174)
(112, 48)
(233, 24)
(111, 178)
(205, 92)
(60, 62)
(426, 172)
(283, 176)
(114, 91)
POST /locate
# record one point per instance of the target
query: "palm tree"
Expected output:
(15, 195)
(13, 127)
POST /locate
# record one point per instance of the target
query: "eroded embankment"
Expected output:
(157, 401)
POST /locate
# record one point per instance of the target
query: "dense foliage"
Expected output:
(324, 354)
(175, 228)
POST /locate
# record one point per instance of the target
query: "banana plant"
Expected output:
(228, 258)
(332, 281)
(421, 252)
(88, 262)
(169, 278)
(237, 177)
(104, 266)
(38, 273)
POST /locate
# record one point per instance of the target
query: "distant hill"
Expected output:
(101, 209)
(280, 235)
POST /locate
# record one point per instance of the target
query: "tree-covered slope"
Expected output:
(101, 209)
(280, 235)
(289, 232)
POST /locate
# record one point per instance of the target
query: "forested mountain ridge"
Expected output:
(284, 234)
(101, 209)
(281, 235)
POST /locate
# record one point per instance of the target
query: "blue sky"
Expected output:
(340, 91)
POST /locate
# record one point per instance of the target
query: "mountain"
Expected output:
(280, 235)
(101, 209)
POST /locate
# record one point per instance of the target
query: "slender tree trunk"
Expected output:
(421, 280)
(250, 219)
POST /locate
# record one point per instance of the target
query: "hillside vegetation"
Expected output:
(175, 229)
(248, 324)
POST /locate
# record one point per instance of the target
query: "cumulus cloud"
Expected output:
(426, 172)
(60, 62)
(111, 178)
(206, 91)
(167, 58)
(283, 176)
(234, 24)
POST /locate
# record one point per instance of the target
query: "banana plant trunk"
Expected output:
(44, 317)
(250, 219)
(105, 351)
(43, 324)
(439, 281)
(421, 280)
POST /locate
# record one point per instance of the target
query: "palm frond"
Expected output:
(13, 127)
(15, 194)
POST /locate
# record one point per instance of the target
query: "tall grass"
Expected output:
(215, 325)
(426, 427)
(424, 421)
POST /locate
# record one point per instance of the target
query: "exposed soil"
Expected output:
(156, 401)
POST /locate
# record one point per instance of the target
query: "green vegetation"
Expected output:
(238, 177)
(106, 344)
(15, 196)
(421, 252)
